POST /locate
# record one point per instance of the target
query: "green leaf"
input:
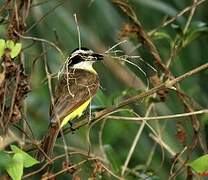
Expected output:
(2, 46)
(112, 157)
(200, 164)
(15, 168)
(10, 44)
(177, 28)
(162, 35)
(27, 159)
(16, 50)
(196, 29)
(5, 159)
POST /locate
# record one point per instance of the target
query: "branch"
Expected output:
(168, 84)
(136, 119)
(41, 40)
(139, 30)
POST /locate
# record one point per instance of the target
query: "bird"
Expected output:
(77, 85)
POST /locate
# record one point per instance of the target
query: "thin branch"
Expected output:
(136, 119)
(193, 9)
(78, 31)
(41, 40)
(135, 141)
(168, 84)
(45, 15)
(176, 159)
(66, 169)
(181, 13)
(112, 174)
(168, 148)
(141, 33)
(13, 97)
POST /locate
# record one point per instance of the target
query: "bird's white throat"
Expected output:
(86, 65)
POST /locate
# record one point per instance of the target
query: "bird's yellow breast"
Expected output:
(76, 113)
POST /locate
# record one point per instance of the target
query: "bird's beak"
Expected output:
(98, 56)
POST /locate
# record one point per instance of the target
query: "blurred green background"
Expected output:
(100, 22)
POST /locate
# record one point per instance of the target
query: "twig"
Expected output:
(46, 14)
(100, 136)
(70, 167)
(175, 160)
(3, 107)
(9, 138)
(135, 141)
(168, 148)
(75, 152)
(193, 8)
(112, 174)
(139, 30)
(106, 112)
(41, 40)
(136, 119)
(181, 13)
(78, 31)
(13, 97)
(171, 152)
(114, 46)
(188, 74)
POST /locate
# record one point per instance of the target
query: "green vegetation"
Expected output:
(147, 44)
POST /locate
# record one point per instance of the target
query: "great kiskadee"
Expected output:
(77, 85)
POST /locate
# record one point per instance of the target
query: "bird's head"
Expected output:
(86, 55)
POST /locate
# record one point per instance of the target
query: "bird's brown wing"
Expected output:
(82, 85)
(71, 94)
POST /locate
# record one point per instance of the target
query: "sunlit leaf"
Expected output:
(200, 165)
(28, 160)
(15, 168)
(162, 35)
(10, 44)
(16, 50)
(2, 46)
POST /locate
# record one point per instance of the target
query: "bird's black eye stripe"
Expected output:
(76, 59)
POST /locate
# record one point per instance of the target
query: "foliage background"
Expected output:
(101, 23)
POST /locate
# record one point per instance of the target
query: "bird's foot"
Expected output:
(71, 126)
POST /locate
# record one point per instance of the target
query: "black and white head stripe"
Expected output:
(83, 54)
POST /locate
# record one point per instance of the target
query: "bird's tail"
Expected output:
(48, 142)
